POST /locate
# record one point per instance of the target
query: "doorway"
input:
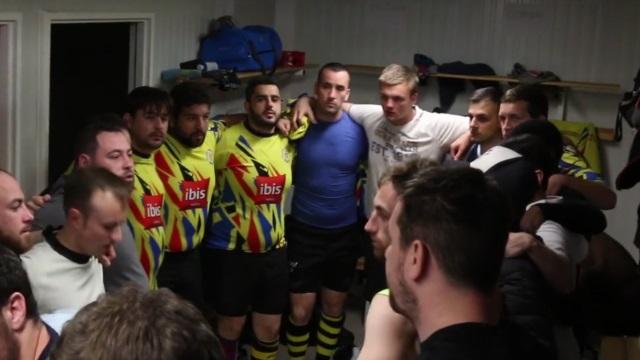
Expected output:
(9, 70)
(89, 62)
(89, 75)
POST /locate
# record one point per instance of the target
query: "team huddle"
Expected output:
(166, 197)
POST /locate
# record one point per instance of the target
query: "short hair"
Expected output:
(464, 220)
(490, 93)
(255, 82)
(536, 151)
(546, 132)
(401, 174)
(395, 74)
(189, 93)
(517, 179)
(533, 96)
(87, 139)
(82, 183)
(144, 97)
(333, 66)
(138, 324)
(14, 279)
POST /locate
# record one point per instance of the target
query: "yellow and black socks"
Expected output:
(261, 350)
(329, 329)
(297, 340)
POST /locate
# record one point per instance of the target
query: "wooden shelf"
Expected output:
(604, 134)
(581, 85)
(255, 74)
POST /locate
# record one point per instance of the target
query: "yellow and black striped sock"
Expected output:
(329, 329)
(261, 350)
(297, 340)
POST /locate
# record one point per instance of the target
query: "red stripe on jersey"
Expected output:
(175, 243)
(161, 163)
(135, 211)
(144, 260)
(252, 237)
(175, 199)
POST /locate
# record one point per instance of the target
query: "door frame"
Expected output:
(143, 33)
(13, 23)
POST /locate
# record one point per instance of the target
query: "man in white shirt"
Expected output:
(399, 130)
(63, 269)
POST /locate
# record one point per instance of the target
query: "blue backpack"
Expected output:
(251, 48)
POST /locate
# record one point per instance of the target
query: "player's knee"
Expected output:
(230, 327)
(301, 315)
(267, 331)
(333, 307)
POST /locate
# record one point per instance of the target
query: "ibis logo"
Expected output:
(194, 194)
(269, 189)
(152, 211)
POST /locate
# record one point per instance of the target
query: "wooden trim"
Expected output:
(282, 70)
(605, 134)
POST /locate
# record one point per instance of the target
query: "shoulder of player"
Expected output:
(428, 115)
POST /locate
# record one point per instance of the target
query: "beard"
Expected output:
(17, 245)
(148, 146)
(259, 122)
(402, 300)
(192, 140)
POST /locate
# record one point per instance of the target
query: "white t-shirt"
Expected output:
(58, 283)
(560, 240)
(428, 135)
(563, 242)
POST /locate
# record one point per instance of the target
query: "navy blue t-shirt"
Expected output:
(325, 173)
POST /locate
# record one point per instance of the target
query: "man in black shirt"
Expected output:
(448, 233)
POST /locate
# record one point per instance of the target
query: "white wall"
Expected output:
(177, 24)
(583, 40)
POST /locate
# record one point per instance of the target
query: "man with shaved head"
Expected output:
(15, 218)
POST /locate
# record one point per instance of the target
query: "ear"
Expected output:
(74, 217)
(347, 94)
(84, 160)
(414, 96)
(417, 260)
(15, 312)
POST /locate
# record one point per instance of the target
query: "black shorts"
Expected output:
(321, 257)
(239, 282)
(182, 273)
